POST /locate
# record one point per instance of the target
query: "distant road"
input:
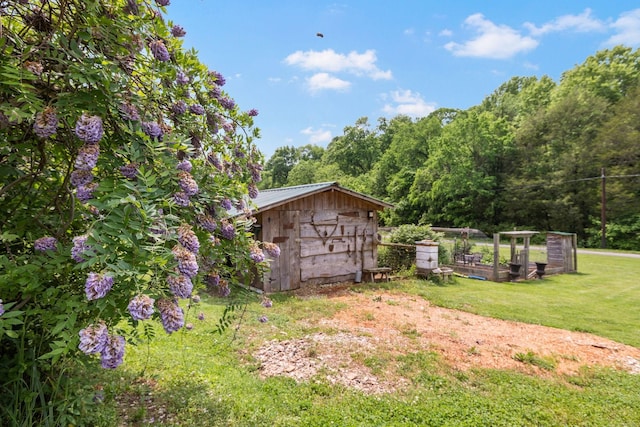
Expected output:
(607, 253)
(580, 251)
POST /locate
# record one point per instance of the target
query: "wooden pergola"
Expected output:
(524, 253)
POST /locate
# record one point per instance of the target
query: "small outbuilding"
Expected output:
(326, 234)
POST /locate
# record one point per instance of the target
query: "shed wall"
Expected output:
(323, 238)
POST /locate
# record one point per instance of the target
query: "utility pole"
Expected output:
(603, 211)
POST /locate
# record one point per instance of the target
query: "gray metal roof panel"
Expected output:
(268, 199)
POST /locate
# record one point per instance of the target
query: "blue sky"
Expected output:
(383, 58)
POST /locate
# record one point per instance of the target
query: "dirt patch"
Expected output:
(393, 324)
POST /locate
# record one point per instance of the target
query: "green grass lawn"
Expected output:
(200, 378)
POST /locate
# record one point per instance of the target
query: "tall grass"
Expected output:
(199, 378)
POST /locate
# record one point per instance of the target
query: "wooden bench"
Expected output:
(372, 272)
(446, 274)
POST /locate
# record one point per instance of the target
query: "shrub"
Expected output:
(123, 164)
(403, 258)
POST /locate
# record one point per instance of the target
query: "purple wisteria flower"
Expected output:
(215, 93)
(113, 352)
(153, 129)
(80, 248)
(226, 204)
(227, 103)
(85, 192)
(189, 326)
(141, 307)
(129, 111)
(129, 171)
(181, 199)
(81, 177)
(159, 50)
(163, 2)
(171, 315)
(201, 316)
(188, 238)
(46, 243)
(223, 289)
(87, 158)
(93, 338)
(228, 127)
(181, 78)
(180, 286)
(212, 279)
(217, 78)
(187, 263)
(215, 161)
(239, 152)
(1, 308)
(267, 303)
(263, 319)
(256, 254)
(252, 113)
(253, 190)
(227, 230)
(185, 165)
(89, 129)
(97, 285)
(208, 223)
(46, 123)
(271, 249)
(256, 172)
(178, 31)
(187, 183)
(180, 107)
(196, 109)
(195, 299)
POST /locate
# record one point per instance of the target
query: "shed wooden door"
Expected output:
(285, 270)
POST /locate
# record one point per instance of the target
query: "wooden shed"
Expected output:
(326, 234)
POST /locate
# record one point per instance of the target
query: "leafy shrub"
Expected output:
(401, 257)
(124, 164)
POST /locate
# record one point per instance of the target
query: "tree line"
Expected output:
(531, 155)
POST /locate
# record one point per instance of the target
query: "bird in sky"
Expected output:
(319, 34)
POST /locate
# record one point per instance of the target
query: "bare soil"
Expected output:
(377, 328)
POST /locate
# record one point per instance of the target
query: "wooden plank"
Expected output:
(270, 231)
(326, 266)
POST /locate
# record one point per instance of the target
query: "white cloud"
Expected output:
(627, 27)
(445, 33)
(321, 81)
(407, 103)
(582, 23)
(317, 136)
(330, 61)
(493, 41)
(409, 32)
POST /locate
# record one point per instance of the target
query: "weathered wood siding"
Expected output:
(560, 252)
(324, 238)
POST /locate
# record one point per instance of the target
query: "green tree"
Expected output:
(619, 154)
(459, 182)
(280, 164)
(356, 151)
(609, 74)
(556, 156)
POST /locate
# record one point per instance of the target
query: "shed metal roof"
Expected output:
(271, 198)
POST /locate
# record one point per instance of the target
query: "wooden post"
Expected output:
(574, 243)
(496, 256)
(603, 212)
(525, 261)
